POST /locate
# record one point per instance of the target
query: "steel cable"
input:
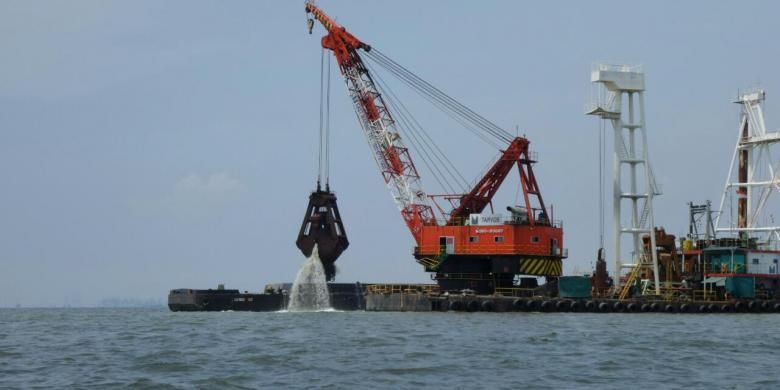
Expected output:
(423, 86)
(424, 136)
(392, 100)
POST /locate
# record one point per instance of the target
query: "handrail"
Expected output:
(402, 288)
(515, 291)
(704, 295)
(540, 249)
(464, 276)
(504, 220)
(725, 267)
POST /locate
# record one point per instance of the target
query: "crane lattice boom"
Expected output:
(468, 250)
(387, 146)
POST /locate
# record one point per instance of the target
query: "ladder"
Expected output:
(630, 280)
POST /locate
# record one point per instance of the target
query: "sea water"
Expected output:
(310, 290)
(156, 348)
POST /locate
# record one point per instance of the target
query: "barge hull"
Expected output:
(343, 296)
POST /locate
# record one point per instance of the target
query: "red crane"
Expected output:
(465, 248)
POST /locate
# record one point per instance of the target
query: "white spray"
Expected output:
(310, 290)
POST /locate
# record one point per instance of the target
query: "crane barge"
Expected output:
(462, 247)
(480, 255)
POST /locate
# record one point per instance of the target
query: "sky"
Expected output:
(151, 145)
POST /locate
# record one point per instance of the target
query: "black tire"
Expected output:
(655, 307)
(532, 305)
(726, 308)
(632, 307)
(456, 306)
(604, 307)
(519, 304)
(590, 305)
(562, 306)
(670, 308)
(488, 306)
(574, 306)
(618, 307)
(473, 306)
(646, 308)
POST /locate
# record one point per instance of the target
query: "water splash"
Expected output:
(310, 290)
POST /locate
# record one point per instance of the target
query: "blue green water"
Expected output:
(155, 348)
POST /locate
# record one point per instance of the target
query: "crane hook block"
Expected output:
(310, 24)
(322, 226)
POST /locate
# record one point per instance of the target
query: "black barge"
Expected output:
(428, 298)
(343, 296)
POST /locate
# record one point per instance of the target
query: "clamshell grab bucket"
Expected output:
(322, 226)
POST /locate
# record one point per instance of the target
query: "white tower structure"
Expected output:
(757, 175)
(620, 88)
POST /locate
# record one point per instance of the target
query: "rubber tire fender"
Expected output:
(456, 306)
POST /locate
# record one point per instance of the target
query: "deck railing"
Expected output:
(402, 288)
(515, 292)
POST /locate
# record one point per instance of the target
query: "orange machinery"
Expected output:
(464, 248)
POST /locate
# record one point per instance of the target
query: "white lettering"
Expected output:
(485, 231)
(485, 219)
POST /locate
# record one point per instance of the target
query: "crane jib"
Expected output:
(393, 157)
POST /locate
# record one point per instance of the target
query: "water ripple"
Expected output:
(116, 348)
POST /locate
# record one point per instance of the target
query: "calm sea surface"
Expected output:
(155, 348)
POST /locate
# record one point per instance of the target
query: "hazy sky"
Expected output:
(149, 145)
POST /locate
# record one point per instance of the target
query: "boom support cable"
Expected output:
(449, 103)
(455, 112)
(422, 141)
(452, 114)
